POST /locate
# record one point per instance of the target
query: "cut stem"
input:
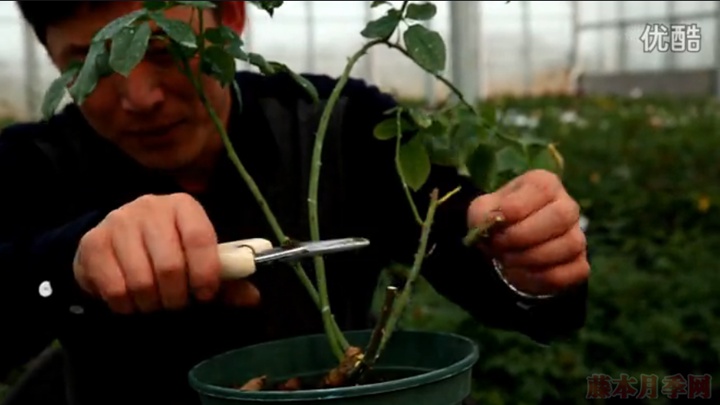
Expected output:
(372, 352)
(475, 234)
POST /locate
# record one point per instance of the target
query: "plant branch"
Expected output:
(481, 231)
(314, 186)
(333, 331)
(474, 234)
(404, 298)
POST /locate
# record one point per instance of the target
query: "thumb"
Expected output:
(240, 293)
(484, 211)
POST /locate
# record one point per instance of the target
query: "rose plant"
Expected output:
(457, 134)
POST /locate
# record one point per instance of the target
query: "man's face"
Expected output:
(154, 114)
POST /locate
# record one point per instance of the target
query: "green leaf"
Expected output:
(112, 29)
(481, 166)
(383, 27)
(527, 140)
(259, 61)
(388, 129)
(441, 148)
(268, 6)
(300, 80)
(219, 63)
(88, 76)
(56, 91)
(421, 12)
(415, 163)
(547, 158)
(181, 52)
(426, 48)
(421, 118)
(511, 159)
(223, 35)
(129, 47)
(156, 5)
(229, 39)
(102, 65)
(202, 5)
(379, 3)
(179, 31)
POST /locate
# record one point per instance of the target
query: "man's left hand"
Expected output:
(539, 242)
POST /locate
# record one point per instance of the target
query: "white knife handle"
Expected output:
(238, 258)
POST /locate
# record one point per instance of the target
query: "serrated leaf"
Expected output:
(426, 48)
(88, 76)
(179, 31)
(56, 91)
(129, 47)
(511, 159)
(414, 163)
(219, 64)
(481, 165)
(112, 28)
(383, 27)
(421, 12)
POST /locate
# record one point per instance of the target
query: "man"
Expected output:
(111, 214)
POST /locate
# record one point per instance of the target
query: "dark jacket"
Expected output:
(47, 206)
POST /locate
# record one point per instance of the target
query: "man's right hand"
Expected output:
(152, 254)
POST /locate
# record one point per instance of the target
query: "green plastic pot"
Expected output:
(420, 368)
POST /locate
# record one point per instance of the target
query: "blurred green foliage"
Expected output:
(647, 174)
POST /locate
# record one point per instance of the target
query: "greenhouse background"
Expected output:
(519, 47)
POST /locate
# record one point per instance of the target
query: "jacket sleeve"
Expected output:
(461, 274)
(37, 246)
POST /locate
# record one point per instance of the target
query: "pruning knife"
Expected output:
(241, 258)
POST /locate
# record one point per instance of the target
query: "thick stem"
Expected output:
(314, 186)
(404, 298)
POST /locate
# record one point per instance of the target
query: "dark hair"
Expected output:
(41, 14)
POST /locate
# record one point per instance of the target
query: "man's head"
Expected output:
(153, 114)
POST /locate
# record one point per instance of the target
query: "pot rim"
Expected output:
(425, 378)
